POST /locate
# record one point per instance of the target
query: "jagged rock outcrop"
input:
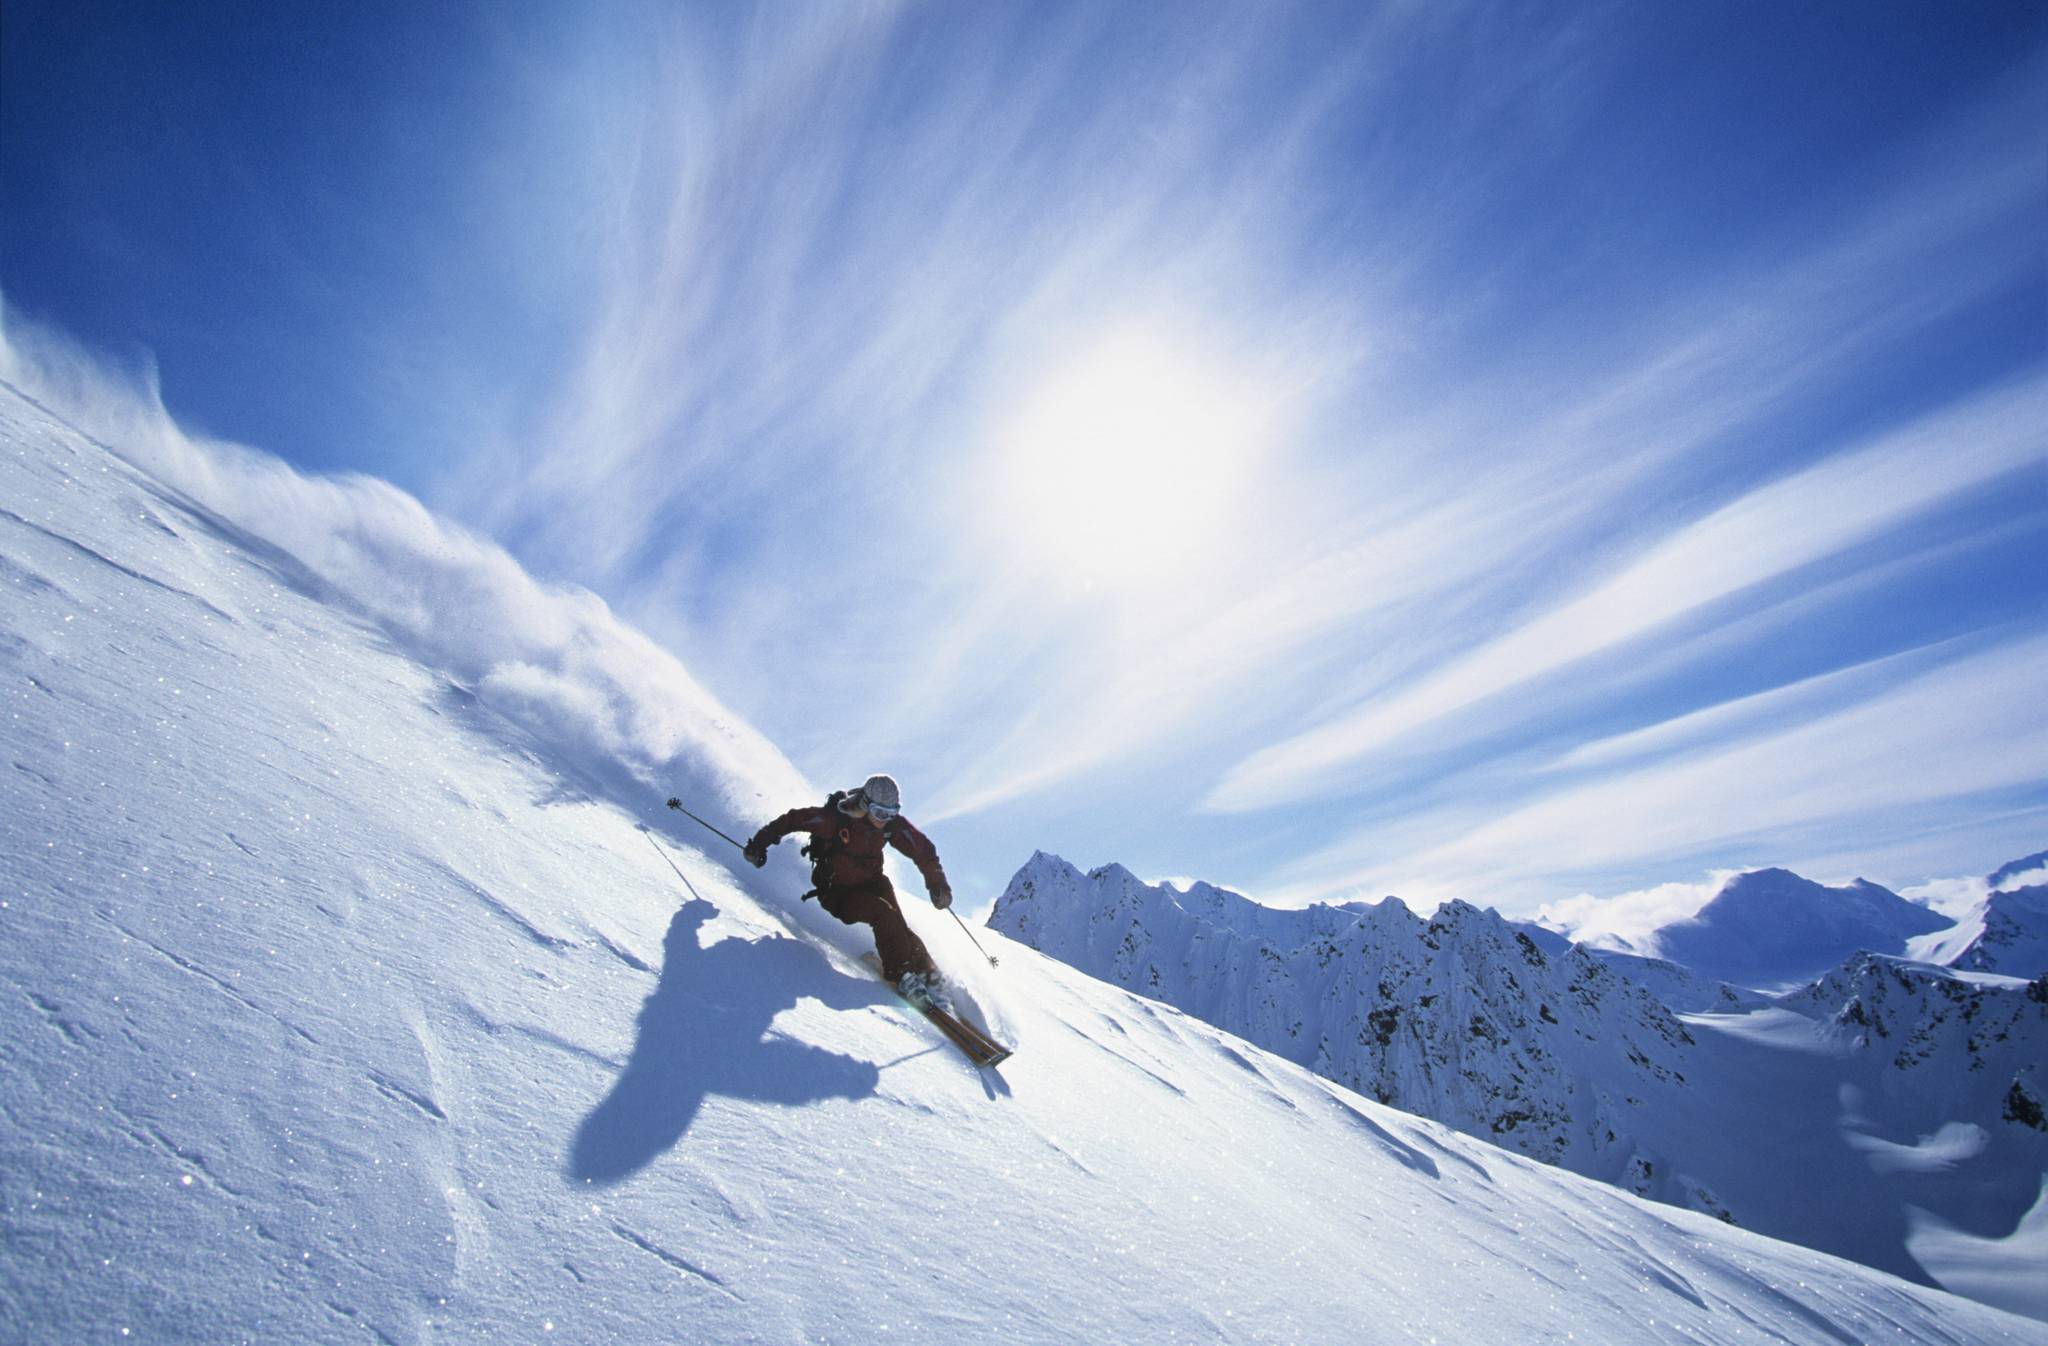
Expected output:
(1459, 1017)
(1970, 1044)
(2023, 1107)
(1678, 989)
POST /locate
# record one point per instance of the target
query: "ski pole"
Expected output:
(971, 939)
(672, 864)
(677, 805)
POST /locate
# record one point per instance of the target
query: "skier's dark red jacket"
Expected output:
(855, 845)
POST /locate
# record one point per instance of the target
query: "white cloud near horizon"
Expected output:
(1626, 920)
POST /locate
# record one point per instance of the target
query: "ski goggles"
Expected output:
(883, 812)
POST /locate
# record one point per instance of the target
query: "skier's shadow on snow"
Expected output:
(703, 1031)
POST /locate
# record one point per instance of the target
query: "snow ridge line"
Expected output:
(110, 562)
(681, 1264)
(399, 1093)
(221, 984)
(54, 1016)
(498, 907)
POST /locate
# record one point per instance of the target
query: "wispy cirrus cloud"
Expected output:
(1740, 718)
(1089, 413)
(790, 417)
(1967, 728)
(1810, 515)
(1408, 573)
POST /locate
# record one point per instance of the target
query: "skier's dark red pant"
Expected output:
(872, 902)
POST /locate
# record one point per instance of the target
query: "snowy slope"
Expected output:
(1769, 1118)
(1680, 988)
(343, 1003)
(1771, 929)
(2007, 932)
(1945, 1081)
(1674, 987)
(2014, 939)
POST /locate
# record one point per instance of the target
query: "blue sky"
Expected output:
(1503, 451)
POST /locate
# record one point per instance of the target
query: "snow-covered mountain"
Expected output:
(1919, 1017)
(1761, 1115)
(1681, 989)
(2007, 932)
(2013, 938)
(349, 996)
(1459, 1017)
(2025, 872)
(1772, 929)
(1676, 988)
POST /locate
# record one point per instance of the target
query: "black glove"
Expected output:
(756, 853)
(943, 898)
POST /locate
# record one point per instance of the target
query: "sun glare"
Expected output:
(1119, 467)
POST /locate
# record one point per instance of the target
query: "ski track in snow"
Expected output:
(302, 1046)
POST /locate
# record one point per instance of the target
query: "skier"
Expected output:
(847, 836)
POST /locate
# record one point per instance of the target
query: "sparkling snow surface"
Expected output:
(343, 1003)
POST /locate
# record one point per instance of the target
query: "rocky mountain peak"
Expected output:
(1458, 1016)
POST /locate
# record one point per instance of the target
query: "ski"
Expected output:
(976, 1045)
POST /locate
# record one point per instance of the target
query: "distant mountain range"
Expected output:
(1772, 928)
(1545, 1053)
(1887, 1110)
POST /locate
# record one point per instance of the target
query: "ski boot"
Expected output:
(925, 989)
